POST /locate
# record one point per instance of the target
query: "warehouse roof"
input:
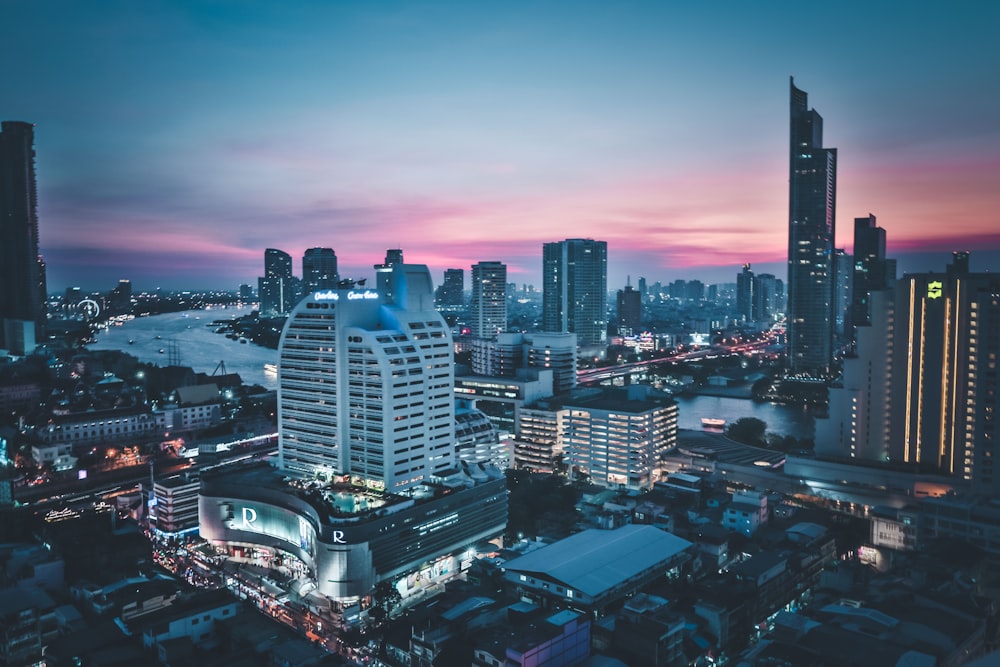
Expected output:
(595, 561)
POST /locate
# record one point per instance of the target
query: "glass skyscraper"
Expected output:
(812, 197)
(319, 270)
(22, 272)
(276, 288)
(575, 289)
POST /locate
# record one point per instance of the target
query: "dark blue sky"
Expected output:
(177, 140)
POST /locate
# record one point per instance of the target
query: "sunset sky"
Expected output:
(177, 140)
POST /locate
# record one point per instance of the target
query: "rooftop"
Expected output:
(594, 561)
(344, 499)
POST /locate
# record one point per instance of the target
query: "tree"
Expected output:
(385, 598)
(748, 430)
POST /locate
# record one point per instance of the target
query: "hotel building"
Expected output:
(366, 420)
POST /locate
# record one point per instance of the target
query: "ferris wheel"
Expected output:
(88, 309)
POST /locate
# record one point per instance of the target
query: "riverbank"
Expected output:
(187, 339)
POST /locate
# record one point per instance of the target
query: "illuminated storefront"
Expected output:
(347, 552)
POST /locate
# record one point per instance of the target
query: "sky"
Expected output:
(175, 141)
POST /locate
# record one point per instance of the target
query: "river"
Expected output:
(188, 337)
(198, 346)
(780, 419)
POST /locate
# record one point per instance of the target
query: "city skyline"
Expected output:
(175, 143)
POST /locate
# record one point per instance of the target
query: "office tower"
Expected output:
(246, 292)
(276, 288)
(843, 274)
(383, 271)
(319, 270)
(575, 289)
(71, 299)
(695, 290)
(946, 389)
(860, 405)
(366, 385)
(452, 290)
(872, 271)
(744, 294)
(120, 299)
(507, 354)
(22, 271)
(812, 196)
(618, 437)
(765, 298)
(642, 289)
(629, 311)
(615, 436)
(489, 299)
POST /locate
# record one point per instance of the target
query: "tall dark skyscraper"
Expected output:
(383, 271)
(843, 282)
(319, 270)
(276, 289)
(744, 294)
(765, 297)
(812, 198)
(451, 292)
(575, 289)
(22, 271)
(629, 310)
(872, 271)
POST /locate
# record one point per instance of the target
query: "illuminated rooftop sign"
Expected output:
(352, 295)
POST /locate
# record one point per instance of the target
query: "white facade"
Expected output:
(477, 439)
(57, 456)
(746, 513)
(489, 299)
(620, 446)
(93, 427)
(176, 503)
(859, 409)
(508, 353)
(366, 384)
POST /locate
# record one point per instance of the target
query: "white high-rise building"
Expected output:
(489, 299)
(367, 385)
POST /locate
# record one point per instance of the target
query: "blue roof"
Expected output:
(595, 561)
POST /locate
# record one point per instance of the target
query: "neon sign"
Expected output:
(934, 289)
(352, 295)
